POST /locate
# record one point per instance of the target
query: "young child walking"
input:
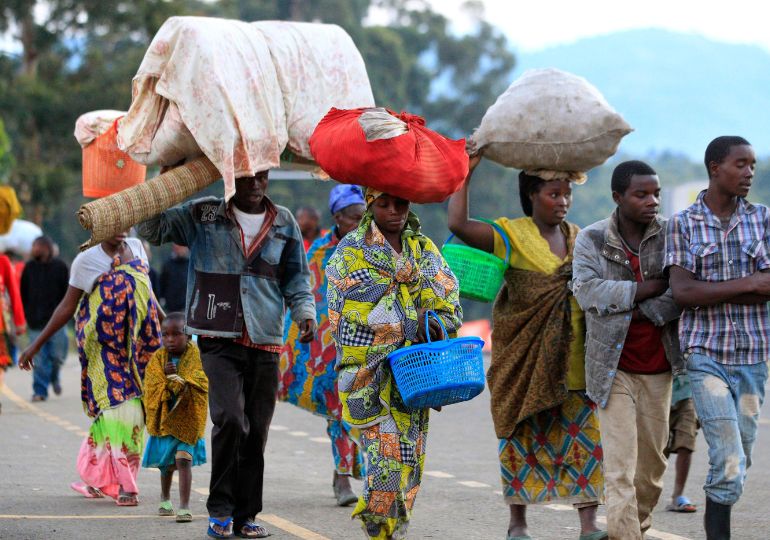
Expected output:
(175, 401)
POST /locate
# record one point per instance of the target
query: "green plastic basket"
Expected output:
(480, 273)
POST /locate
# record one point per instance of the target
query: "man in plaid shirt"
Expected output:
(718, 265)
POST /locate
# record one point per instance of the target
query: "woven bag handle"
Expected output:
(499, 230)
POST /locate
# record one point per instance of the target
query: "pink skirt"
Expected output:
(110, 456)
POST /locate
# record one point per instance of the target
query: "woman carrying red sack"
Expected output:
(383, 277)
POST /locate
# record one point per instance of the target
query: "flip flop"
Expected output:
(87, 491)
(252, 529)
(183, 516)
(226, 524)
(127, 500)
(682, 505)
(165, 508)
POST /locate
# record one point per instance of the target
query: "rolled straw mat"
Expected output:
(111, 215)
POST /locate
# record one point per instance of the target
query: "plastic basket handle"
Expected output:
(440, 322)
(499, 231)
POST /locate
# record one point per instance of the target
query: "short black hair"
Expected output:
(310, 210)
(719, 149)
(621, 176)
(175, 316)
(46, 240)
(528, 185)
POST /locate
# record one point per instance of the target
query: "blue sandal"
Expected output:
(226, 525)
(252, 529)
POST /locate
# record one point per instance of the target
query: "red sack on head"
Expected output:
(392, 153)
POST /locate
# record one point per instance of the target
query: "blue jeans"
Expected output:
(48, 361)
(727, 399)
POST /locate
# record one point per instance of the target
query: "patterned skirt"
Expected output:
(109, 457)
(555, 456)
(395, 458)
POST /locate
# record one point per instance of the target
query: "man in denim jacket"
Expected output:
(247, 264)
(631, 344)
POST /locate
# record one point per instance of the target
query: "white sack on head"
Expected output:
(21, 237)
(239, 92)
(220, 75)
(553, 120)
(318, 67)
(90, 125)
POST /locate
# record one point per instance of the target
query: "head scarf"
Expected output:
(371, 195)
(344, 195)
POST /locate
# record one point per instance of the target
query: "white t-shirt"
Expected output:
(93, 262)
(250, 224)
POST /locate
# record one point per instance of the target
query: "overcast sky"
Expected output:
(535, 24)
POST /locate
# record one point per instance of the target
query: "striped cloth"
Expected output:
(697, 242)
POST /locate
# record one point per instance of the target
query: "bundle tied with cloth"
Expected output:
(550, 124)
(227, 99)
(389, 152)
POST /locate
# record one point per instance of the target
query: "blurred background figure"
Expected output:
(172, 288)
(12, 321)
(309, 221)
(154, 278)
(44, 282)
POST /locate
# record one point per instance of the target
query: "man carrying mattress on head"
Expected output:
(247, 265)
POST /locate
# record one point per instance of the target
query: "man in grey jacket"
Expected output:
(247, 264)
(631, 344)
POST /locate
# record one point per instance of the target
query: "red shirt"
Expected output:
(643, 350)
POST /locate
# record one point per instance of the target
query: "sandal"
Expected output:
(683, 505)
(87, 491)
(225, 526)
(166, 508)
(127, 499)
(183, 516)
(252, 529)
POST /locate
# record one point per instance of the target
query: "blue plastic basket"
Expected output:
(439, 373)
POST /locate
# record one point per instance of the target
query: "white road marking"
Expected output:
(321, 440)
(438, 474)
(298, 433)
(276, 427)
(201, 491)
(559, 507)
(473, 484)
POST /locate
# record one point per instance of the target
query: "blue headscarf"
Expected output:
(344, 195)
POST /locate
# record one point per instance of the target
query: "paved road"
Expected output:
(460, 498)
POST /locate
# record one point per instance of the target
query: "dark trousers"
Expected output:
(243, 383)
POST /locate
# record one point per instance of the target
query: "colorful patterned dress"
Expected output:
(373, 296)
(11, 311)
(176, 409)
(308, 378)
(555, 455)
(117, 332)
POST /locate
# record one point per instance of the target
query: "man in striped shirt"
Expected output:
(718, 265)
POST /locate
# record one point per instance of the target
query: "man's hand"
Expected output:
(169, 368)
(761, 282)
(307, 329)
(650, 289)
(26, 358)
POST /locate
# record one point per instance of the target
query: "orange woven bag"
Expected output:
(106, 168)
